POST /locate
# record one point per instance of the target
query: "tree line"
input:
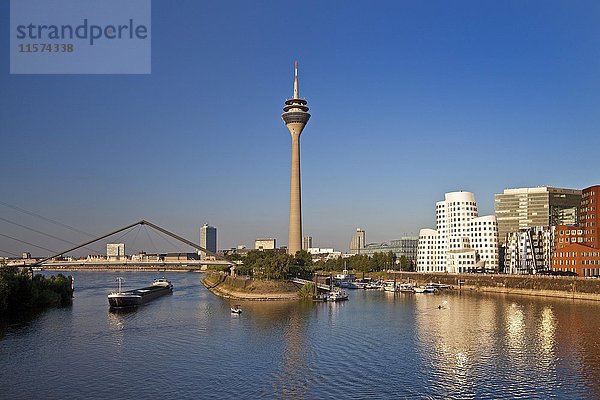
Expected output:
(19, 291)
(274, 264)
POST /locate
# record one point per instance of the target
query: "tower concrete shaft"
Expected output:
(295, 115)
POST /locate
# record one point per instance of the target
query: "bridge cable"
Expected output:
(46, 219)
(134, 238)
(151, 241)
(45, 234)
(124, 234)
(171, 243)
(8, 252)
(30, 244)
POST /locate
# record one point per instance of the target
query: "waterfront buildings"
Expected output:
(427, 251)
(484, 239)
(265, 244)
(462, 242)
(179, 257)
(358, 241)
(307, 242)
(406, 246)
(522, 208)
(589, 216)
(296, 116)
(577, 258)
(208, 239)
(577, 248)
(567, 234)
(115, 251)
(323, 254)
(529, 250)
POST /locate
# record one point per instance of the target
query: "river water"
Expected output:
(376, 345)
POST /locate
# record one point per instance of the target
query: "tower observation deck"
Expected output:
(296, 116)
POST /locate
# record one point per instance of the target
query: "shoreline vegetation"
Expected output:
(20, 292)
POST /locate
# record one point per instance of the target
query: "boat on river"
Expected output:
(137, 297)
(425, 289)
(405, 288)
(438, 286)
(237, 309)
(337, 295)
(389, 286)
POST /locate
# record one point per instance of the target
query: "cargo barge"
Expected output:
(137, 297)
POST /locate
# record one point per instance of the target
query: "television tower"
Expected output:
(295, 115)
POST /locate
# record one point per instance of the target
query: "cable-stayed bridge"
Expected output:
(55, 261)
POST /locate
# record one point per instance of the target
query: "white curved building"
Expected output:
(427, 250)
(484, 239)
(464, 241)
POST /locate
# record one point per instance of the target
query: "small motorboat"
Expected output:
(425, 289)
(237, 309)
(405, 288)
(337, 295)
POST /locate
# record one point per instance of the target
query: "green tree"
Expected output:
(303, 258)
(18, 291)
(403, 263)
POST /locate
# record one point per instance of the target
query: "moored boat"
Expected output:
(425, 289)
(137, 297)
(356, 285)
(374, 285)
(389, 286)
(337, 295)
(438, 286)
(405, 288)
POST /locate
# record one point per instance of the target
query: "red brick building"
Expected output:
(575, 257)
(577, 248)
(589, 216)
(567, 234)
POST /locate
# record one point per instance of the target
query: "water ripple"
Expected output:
(376, 346)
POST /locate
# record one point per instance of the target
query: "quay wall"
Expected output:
(533, 285)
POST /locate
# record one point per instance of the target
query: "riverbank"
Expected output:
(249, 289)
(530, 285)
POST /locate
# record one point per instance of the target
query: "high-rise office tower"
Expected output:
(115, 251)
(306, 242)
(358, 241)
(522, 208)
(296, 116)
(208, 239)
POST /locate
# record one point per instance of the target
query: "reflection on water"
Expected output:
(116, 323)
(376, 345)
(293, 367)
(514, 329)
(462, 339)
(547, 330)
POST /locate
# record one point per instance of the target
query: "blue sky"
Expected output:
(409, 100)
